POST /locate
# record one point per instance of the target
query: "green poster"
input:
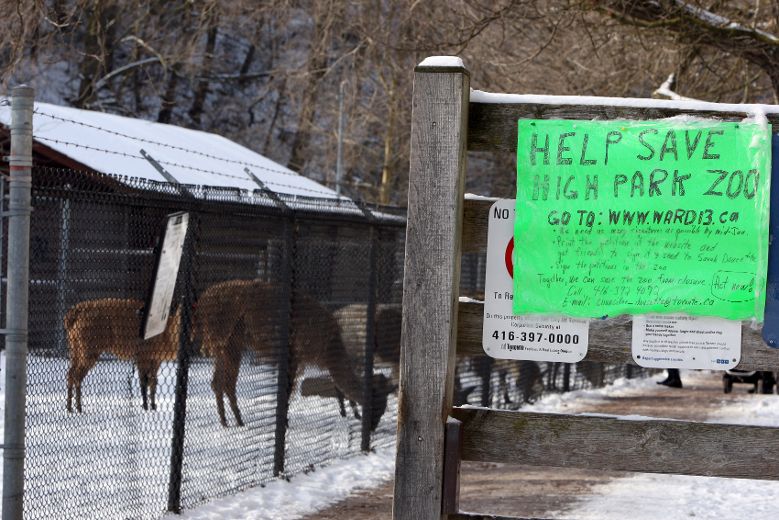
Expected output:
(637, 217)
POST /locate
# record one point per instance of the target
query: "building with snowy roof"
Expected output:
(127, 147)
(104, 185)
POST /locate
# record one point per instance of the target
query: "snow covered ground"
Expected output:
(638, 497)
(113, 460)
(304, 494)
(651, 496)
(641, 496)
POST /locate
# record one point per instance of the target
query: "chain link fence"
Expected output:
(281, 352)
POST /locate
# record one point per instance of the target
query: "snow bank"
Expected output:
(305, 494)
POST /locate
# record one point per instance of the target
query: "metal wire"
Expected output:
(178, 165)
(279, 322)
(166, 145)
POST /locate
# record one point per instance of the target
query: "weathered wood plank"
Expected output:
(652, 446)
(610, 340)
(430, 287)
(475, 222)
(493, 127)
(453, 440)
(480, 516)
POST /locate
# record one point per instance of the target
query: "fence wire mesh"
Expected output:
(281, 352)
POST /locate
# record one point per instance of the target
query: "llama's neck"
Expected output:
(338, 363)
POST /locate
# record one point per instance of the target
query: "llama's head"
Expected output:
(382, 387)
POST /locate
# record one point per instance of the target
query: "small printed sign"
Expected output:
(158, 306)
(505, 336)
(679, 341)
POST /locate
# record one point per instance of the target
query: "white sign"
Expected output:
(505, 336)
(679, 341)
(167, 272)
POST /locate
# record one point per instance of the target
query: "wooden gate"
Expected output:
(447, 121)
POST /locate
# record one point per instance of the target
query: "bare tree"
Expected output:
(693, 24)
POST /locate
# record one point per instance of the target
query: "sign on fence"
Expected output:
(678, 341)
(635, 217)
(168, 261)
(505, 336)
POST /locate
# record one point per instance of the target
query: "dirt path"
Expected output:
(537, 491)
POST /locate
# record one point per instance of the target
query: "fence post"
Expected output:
(283, 389)
(182, 369)
(370, 335)
(431, 286)
(62, 270)
(484, 370)
(567, 377)
(20, 162)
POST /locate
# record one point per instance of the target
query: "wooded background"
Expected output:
(267, 73)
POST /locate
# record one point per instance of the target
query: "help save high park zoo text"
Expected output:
(660, 150)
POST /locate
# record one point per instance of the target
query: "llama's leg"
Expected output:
(504, 385)
(71, 383)
(80, 373)
(152, 376)
(143, 378)
(217, 385)
(340, 396)
(231, 380)
(355, 410)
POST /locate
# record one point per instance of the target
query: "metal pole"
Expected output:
(182, 370)
(370, 338)
(339, 164)
(62, 272)
(20, 163)
(283, 389)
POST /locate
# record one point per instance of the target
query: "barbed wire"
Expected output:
(299, 201)
(166, 145)
(184, 166)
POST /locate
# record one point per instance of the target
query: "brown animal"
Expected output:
(235, 313)
(352, 319)
(113, 325)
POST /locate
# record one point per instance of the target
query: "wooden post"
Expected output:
(431, 286)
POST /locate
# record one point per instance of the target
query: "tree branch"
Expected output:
(701, 27)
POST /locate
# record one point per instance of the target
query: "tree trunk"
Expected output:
(276, 110)
(389, 152)
(202, 88)
(317, 61)
(98, 55)
(168, 100)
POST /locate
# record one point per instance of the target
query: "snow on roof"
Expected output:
(112, 144)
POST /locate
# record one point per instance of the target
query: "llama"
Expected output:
(113, 325)
(235, 313)
(386, 341)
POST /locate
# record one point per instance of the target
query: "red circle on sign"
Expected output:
(510, 257)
